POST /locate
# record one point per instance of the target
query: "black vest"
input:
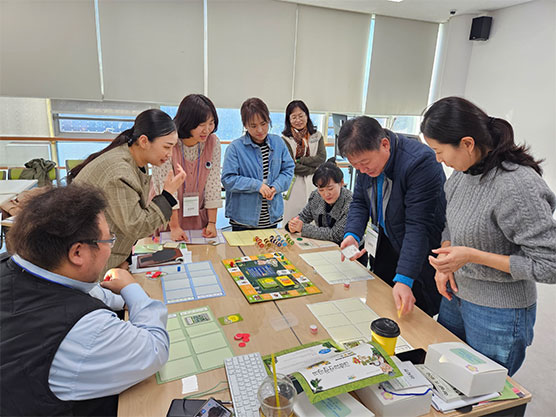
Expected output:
(35, 316)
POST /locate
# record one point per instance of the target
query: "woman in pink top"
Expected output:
(198, 152)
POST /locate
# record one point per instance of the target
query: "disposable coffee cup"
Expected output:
(385, 332)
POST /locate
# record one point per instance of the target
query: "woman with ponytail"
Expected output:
(500, 234)
(120, 170)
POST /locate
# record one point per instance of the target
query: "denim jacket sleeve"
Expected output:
(359, 209)
(284, 179)
(232, 180)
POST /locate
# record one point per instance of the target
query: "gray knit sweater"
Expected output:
(508, 213)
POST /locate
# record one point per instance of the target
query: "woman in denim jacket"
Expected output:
(257, 169)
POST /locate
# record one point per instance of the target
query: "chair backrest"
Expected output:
(2, 175)
(15, 173)
(72, 163)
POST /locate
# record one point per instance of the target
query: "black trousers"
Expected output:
(384, 266)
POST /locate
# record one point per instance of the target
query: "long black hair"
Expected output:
(289, 109)
(194, 109)
(452, 118)
(152, 123)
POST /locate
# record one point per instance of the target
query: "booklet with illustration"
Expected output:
(324, 370)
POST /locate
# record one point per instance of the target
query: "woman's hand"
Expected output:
(452, 259)
(265, 191)
(272, 193)
(178, 235)
(210, 230)
(295, 225)
(173, 182)
(442, 280)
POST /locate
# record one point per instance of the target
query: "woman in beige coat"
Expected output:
(120, 170)
(306, 146)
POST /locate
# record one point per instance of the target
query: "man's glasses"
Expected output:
(110, 241)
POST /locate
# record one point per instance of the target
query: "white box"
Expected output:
(384, 404)
(466, 369)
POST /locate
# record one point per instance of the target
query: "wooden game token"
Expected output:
(299, 238)
(242, 344)
(313, 328)
(346, 285)
(238, 336)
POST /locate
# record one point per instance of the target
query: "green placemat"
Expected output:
(197, 344)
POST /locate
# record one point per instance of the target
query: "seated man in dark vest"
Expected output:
(63, 350)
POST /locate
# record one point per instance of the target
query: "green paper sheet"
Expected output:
(196, 345)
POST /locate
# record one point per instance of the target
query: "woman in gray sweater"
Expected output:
(500, 236)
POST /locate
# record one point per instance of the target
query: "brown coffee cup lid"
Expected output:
(385, 327)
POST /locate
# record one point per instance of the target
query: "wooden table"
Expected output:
(149, 399)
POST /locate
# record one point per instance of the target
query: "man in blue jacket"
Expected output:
(398, 207)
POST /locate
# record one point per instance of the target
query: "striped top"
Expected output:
(264, 217)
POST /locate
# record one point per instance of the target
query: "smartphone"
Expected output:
(415, 356)
(184, 408)
(213, 408)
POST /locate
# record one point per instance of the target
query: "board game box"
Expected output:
(267, 277)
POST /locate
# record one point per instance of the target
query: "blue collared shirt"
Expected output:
(103, 355)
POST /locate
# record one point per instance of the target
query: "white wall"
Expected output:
(453, 58)
(23, 117)
(513, 74)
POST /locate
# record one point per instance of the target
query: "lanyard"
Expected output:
(378, 196)
(198, 164)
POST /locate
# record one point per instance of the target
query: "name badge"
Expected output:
(190, 207)
(371, 239)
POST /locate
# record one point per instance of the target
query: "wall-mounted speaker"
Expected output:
(480, 28)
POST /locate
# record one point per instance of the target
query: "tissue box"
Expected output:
(383, 404)
(466, 369)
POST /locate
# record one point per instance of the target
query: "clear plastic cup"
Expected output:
(267, 397)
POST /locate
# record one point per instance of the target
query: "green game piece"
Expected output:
(299, 238)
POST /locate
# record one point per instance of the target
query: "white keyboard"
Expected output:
(245, 375)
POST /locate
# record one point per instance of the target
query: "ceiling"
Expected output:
(428, 10)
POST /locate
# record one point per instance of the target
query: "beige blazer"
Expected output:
(130, 215)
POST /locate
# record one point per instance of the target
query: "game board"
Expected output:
(197, 344)
(267, 277)
(192, 281)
